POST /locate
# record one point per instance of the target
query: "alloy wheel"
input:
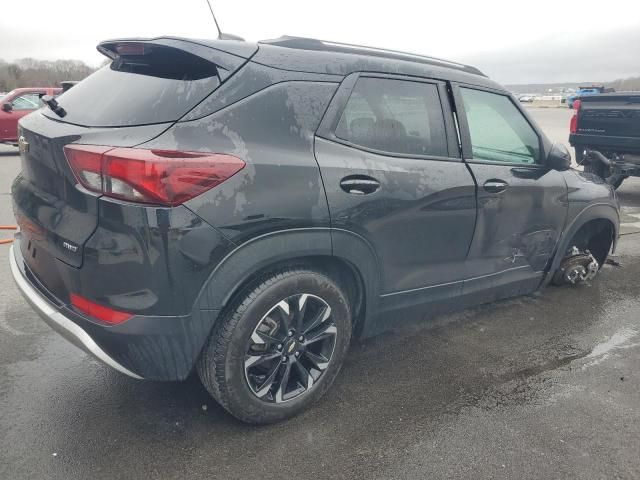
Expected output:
(290, 348)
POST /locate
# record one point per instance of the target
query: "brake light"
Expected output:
(163, 177)
(130, 49)
(100, 312)
(573, 125)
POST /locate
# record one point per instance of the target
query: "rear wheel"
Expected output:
(279, 347)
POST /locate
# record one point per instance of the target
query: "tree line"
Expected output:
(29, 72)
(625, 84)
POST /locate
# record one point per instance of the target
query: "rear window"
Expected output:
(139, 90)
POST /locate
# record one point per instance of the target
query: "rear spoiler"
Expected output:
(227, 55)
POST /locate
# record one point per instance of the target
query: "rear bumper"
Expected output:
(162, 348)
(62, 324)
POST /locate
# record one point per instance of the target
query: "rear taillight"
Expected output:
(573, 125)
(98, 311)
(163, 177)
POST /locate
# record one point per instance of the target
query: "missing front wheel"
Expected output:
(576, 267)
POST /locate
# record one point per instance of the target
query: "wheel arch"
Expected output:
(598, 216)
(343, 256)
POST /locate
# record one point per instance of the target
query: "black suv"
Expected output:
(245, 210)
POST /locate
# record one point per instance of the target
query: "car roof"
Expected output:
(299, 54)
(321, 56)
(328, 46)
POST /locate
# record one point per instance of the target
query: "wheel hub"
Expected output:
(291, 347)
(576, 268)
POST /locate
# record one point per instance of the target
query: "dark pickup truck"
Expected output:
(605, 131)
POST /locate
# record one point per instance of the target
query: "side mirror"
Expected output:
(559, 157)
(7, 107)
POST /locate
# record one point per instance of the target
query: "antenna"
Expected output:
(222, 36)
(214, 19)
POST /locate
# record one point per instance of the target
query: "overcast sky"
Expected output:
(513, 42)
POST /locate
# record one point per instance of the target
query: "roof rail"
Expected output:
(303, 43)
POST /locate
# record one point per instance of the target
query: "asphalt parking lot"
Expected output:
(545, 386)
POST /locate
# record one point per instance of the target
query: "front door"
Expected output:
(393, 175)
(522, 204)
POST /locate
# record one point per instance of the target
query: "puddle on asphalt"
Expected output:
(618, 341)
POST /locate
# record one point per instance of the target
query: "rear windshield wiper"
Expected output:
(53, 104)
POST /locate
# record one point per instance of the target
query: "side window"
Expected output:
(394, 116)
(28, 101)
(499, 131)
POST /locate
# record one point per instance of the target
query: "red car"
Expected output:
(15, 105)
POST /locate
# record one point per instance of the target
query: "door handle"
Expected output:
(495, 186)
(359, 184)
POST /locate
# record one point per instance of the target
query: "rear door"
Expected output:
(522, 204)
(393, 175)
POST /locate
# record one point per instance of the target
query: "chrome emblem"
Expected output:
(23, 145)
(71, 248)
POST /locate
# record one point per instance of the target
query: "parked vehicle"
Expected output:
(526, 98)
(586, 92)
(605, 131)
(15, 105)
(245, 210)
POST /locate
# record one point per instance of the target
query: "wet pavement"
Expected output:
(544, 386)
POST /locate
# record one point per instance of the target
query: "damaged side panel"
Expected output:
(518, 228)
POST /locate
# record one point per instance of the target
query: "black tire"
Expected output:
(597, 168)
(222, 365)
(615, 179)
(616, 182)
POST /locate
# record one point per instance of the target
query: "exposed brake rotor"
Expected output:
(577, 267)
